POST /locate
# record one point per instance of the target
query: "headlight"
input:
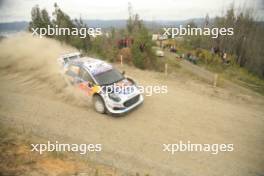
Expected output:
(114, 97)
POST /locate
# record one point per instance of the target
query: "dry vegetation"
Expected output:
(18, 160)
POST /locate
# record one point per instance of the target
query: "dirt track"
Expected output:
(33, 95)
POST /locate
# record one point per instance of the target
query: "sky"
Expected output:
(19, 10)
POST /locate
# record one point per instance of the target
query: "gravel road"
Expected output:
(33, 95)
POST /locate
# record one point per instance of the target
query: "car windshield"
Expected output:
(108, 77)
(67, 59)
(74, 57)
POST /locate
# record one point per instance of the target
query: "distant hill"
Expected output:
(157, 23)
(22, 25)
(13, 26)
(106, 23)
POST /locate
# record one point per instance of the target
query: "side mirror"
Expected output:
(123, 72)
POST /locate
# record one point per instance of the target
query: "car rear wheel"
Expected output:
(98, 104)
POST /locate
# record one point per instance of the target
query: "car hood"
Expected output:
(125, 89)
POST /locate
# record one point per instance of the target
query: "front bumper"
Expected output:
(126, 109)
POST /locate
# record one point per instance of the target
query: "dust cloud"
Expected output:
(33, 63)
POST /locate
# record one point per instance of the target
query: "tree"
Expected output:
(142, 53)
(207, 20)
(41, 19)
(247, 40)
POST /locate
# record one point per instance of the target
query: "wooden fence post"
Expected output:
(121, 60)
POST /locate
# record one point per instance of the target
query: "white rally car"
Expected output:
(111, 91)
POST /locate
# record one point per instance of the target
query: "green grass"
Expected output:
(238, 75)
(244, 78)
(213, 63)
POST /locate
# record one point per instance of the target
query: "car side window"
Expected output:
(73, 70)
(65, 60)
(84, 75)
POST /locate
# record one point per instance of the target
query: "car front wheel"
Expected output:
(98, 104)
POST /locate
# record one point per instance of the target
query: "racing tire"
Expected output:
(98, 104)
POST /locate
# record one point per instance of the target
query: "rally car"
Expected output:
(110, 90)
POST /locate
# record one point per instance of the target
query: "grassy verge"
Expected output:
(17, 159)
(213, 63)
(238, 75)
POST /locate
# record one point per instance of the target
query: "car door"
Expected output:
(72, 74)
(87, 84)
